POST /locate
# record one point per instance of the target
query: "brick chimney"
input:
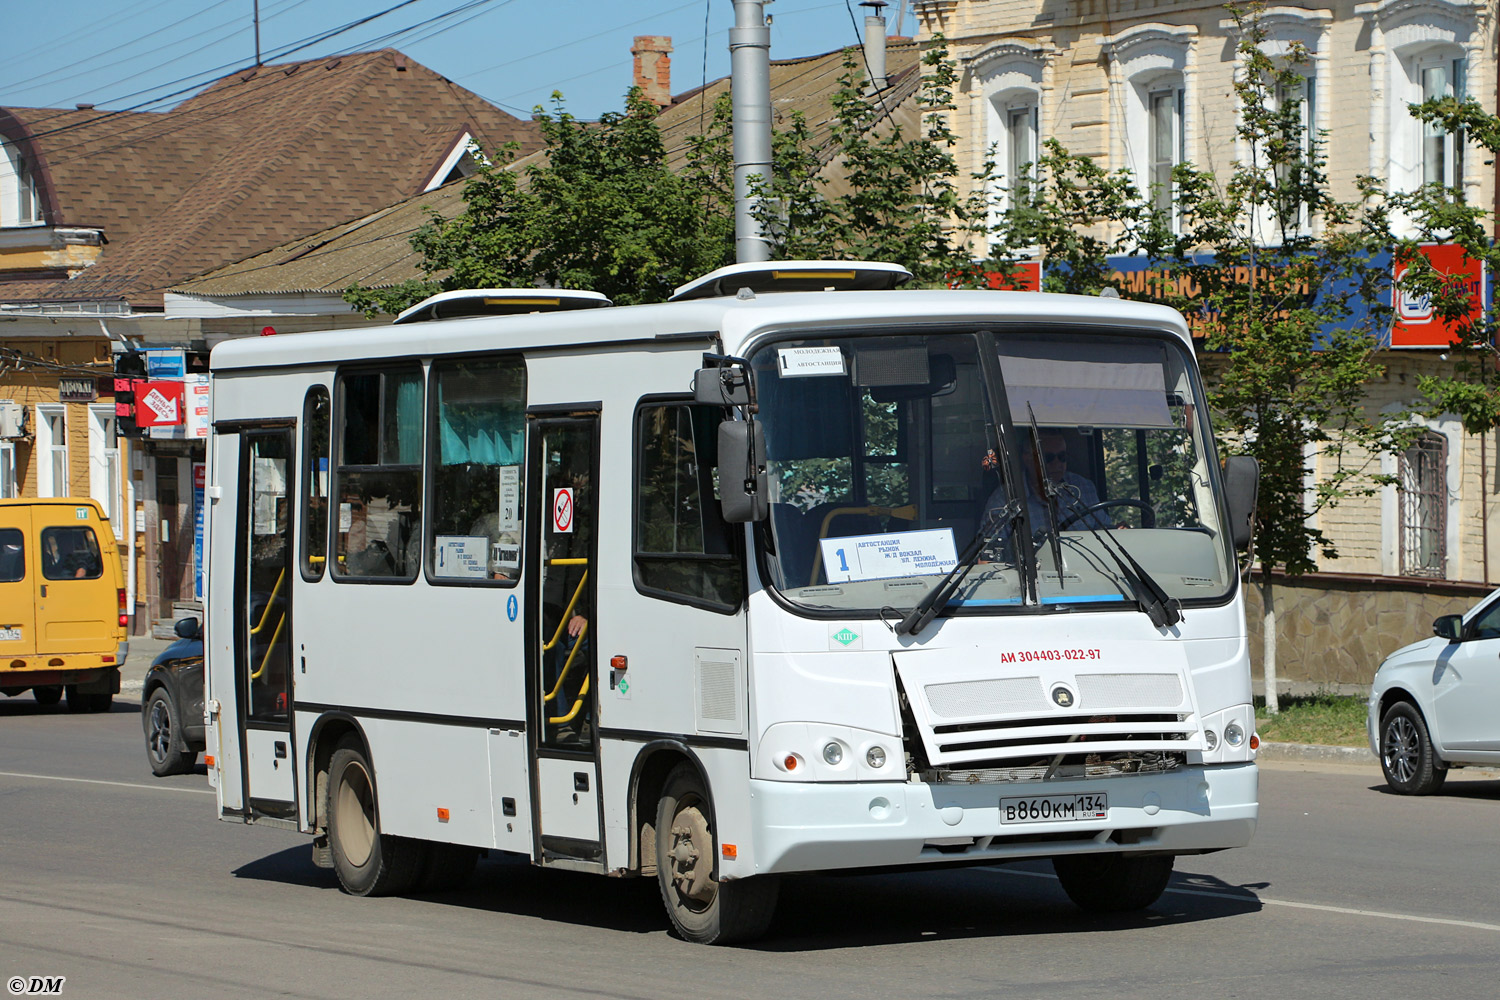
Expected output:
(653, 67)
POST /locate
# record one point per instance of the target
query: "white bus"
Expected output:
(797, 572)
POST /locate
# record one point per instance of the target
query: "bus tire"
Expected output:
(703, 909)
(368, 862)
(1113, 883)
(47, 695)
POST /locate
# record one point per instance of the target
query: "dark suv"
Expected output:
(172, 703)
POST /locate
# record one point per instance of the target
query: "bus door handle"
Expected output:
(44, 590)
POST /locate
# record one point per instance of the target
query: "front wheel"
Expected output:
(1406, 754)
(703, 909)
(1113, 883)
(368, 862)
(164, 748)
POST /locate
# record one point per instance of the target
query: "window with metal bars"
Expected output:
(1423, 494)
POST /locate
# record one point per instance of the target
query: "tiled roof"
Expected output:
(375, 250)
(254, 160)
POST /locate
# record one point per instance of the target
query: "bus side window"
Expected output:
(477, 475)
(683, 548)
(315, 429)
(378, 479)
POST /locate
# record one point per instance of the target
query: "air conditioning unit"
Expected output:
(12, 419)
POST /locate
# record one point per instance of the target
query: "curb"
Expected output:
(132, 687)
(1318, 752)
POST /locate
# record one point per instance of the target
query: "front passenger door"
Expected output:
(1466, 686)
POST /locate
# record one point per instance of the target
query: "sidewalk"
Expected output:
(143, 649)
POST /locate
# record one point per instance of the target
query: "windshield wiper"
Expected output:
(1050, 492)
(1150, 598)
(932, 604)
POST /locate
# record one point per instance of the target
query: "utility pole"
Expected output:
(256, 15)
(750, 86)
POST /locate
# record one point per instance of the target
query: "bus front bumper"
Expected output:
(826, 826)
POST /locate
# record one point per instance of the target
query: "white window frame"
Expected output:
(1011, 77)
(1448, 145)
(104, 463)
(1146, 61)
(1406, 37)
(10, 486)
(51, 454)
(1448, 426)
(20, 199)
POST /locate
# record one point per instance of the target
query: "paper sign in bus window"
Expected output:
(461, 557)
(510, 498)
(882, 557)
(792, 362)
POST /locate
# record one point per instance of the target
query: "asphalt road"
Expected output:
(128, 886)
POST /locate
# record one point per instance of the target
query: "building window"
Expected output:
(104, 463)
(1423, 497)
(51, 452)
(1021, 150)
(9, 487)
(1165, 104)
(1010, 77)
(1442, 151)
(22, 202)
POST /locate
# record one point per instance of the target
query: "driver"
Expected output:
(1074, 492)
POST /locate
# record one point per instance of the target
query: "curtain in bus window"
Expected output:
(403, 419)
(1085, 382)
(477, 479)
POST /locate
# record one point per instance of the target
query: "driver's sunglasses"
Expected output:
(1054, 456)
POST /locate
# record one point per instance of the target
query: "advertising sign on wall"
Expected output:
(1417, 323)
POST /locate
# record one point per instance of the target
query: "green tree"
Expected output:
(597, 209)
(1288, 287)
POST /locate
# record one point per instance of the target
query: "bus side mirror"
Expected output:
(727, 386)
(1241, 486)
(1450, 627)
(743, 495)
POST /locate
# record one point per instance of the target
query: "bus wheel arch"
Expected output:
(702, 908)
(328, 733)
(368, 861)
(648, 778)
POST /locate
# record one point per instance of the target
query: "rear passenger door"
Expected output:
(17, 598)
(77, 607)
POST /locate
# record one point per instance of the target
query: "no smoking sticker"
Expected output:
(562, 509)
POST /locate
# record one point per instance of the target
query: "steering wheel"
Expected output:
(1148, 513)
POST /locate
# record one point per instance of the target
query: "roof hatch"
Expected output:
(499, 302)
(796, 276)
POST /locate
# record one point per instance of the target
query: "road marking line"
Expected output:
(98, 781)
(1323, 907)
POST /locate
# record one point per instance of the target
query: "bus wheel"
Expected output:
(702, 908)
(368, 862)
(48, 695)
(1113, 883)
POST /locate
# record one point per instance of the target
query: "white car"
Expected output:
(1435, 704)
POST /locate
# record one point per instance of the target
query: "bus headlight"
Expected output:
(1234, 734)
(875, 756)
(1210, 740)
(833, 753)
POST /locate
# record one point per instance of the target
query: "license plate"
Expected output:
(1054, 808)
(10, 635)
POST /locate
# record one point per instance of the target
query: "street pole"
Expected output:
(750, 85)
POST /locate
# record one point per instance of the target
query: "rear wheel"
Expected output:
(1113, 883)
(48, 695)
(1406, 754)
(164, 748)
(702, 908)
(368, 862)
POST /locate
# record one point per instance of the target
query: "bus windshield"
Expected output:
(1077, 462)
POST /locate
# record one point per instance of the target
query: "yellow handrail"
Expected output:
(583, 693)
(275, 637)
(567, 614)
(567, 562)
(906, 513)
(265, 613)
(567, 664)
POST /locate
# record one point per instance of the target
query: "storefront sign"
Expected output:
(200, 476)
(77, 390)
(1417, 322)
(165, 362)
(158, 404)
